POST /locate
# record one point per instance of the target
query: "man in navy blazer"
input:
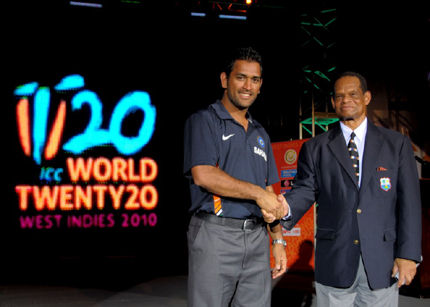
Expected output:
(368, 229)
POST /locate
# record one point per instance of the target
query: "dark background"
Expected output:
(157, 47)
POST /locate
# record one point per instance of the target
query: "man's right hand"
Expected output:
(272, 206)
(269, 217)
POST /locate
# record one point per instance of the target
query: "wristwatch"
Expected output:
(283, 242)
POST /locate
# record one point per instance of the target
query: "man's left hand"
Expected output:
(407, 270)
(280, 256)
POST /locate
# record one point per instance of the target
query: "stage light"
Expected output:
(237, 17)
(196, 14)
(248, 2)
(86, 4)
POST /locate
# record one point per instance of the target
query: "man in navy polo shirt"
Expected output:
(229, 161)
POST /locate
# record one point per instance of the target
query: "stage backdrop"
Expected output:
(300, 240)
(94, 106)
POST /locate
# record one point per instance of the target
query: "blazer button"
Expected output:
(356, 242)
(359, 211)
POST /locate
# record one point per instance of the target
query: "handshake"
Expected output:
(273, 207)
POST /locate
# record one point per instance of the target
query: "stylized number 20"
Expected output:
(93, 134)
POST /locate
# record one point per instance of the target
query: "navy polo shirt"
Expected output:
(213, 137)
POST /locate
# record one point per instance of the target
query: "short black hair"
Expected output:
(363, 82)
(244, 53)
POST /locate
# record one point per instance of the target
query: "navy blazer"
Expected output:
(381, 220)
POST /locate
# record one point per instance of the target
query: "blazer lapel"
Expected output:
(372, 148)
(339, 149)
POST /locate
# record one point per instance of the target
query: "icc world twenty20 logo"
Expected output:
(106, 189)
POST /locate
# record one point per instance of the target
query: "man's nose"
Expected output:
(346, 98)
(247, 84)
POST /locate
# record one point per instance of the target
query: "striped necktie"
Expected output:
(353, 152)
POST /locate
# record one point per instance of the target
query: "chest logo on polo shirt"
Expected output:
(260, 152)
(261, 141)
(225, 138)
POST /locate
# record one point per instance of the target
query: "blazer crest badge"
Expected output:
(385, 183)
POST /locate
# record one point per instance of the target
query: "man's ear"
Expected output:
(367, 97)
(224, 80)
